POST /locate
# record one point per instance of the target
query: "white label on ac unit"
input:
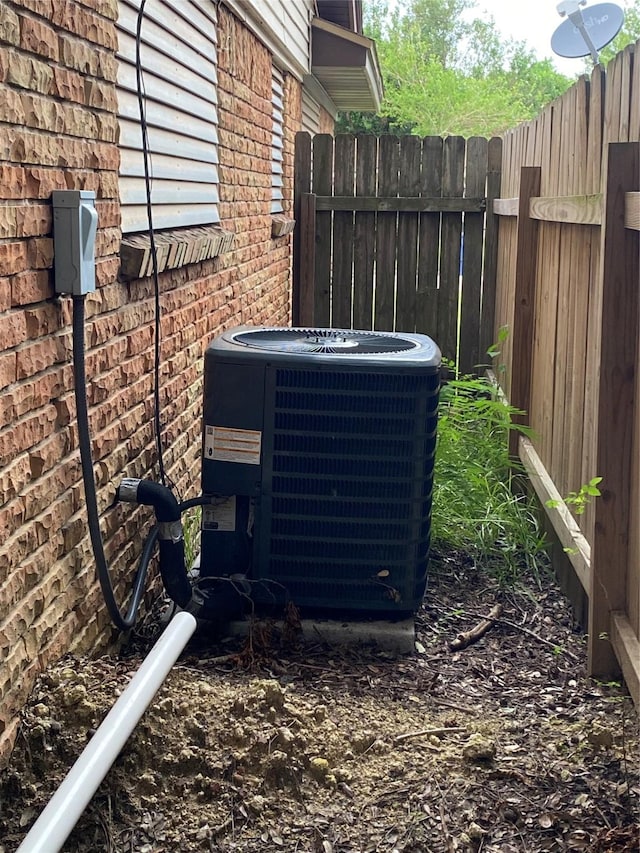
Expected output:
(220, 515)
(225, 444)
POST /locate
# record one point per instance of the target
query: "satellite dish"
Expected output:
(585, 33)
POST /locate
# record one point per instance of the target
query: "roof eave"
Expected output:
(346, 64)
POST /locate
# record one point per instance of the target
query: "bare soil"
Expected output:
(272, 745)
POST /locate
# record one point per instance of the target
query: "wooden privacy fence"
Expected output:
(391, 236)
(568, 284)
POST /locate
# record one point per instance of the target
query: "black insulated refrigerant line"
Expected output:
(169, 534)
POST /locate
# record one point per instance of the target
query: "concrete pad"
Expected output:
(395, 637)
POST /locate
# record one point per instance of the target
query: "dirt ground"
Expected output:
(274, 746)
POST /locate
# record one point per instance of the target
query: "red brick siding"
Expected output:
(326, 123)
(59, 131)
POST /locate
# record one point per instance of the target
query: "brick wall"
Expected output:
(58, 131)
(326, 123)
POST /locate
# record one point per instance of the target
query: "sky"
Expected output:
(533, 21)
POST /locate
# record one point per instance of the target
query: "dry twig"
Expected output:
(466, 638)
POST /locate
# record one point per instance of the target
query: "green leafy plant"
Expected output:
(579, 500)
(451, 73)
(480, 505)
(494, 349)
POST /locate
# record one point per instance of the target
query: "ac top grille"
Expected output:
(326, 341)
(349, 487)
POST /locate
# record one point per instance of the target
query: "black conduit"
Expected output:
(122, 623)
(167, 509)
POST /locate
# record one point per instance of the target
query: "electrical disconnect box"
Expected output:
(75, 222)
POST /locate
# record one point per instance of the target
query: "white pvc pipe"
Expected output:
(63, 811)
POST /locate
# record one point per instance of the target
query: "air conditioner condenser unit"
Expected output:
(318, 455)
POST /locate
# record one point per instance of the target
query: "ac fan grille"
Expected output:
(327, 341)
(352, 471)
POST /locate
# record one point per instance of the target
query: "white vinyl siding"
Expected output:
(310, 113)
(277, 108)
(179, 63)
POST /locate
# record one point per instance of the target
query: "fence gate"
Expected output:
(393, 234)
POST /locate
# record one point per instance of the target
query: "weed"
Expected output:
(480, 504)
(580, 499)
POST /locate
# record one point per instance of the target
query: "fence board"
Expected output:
(408, 185)
(505, 278)
(566, 306)
(449, 283)
(305, 302)
(475, 185)
(364, 234)
(301, 186)
(594, 184)
(342, 272)
(429, 239)
(488, 307)
(322, 185)
(565, 139)
(578, 304)
(611, 130)
(596, 124)
(634, 118)
(544, 345)
(625, 93)
(524, 300)
(384, 315)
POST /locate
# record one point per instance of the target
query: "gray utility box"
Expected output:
(318, 448)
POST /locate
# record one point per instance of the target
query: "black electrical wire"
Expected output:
(146, 157)
(201, 500)
(123, 623)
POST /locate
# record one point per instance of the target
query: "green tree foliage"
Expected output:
(629, 33)
(447, 74)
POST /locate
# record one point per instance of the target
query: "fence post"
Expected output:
(301, 185)
(524, 300)
(619, 274)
